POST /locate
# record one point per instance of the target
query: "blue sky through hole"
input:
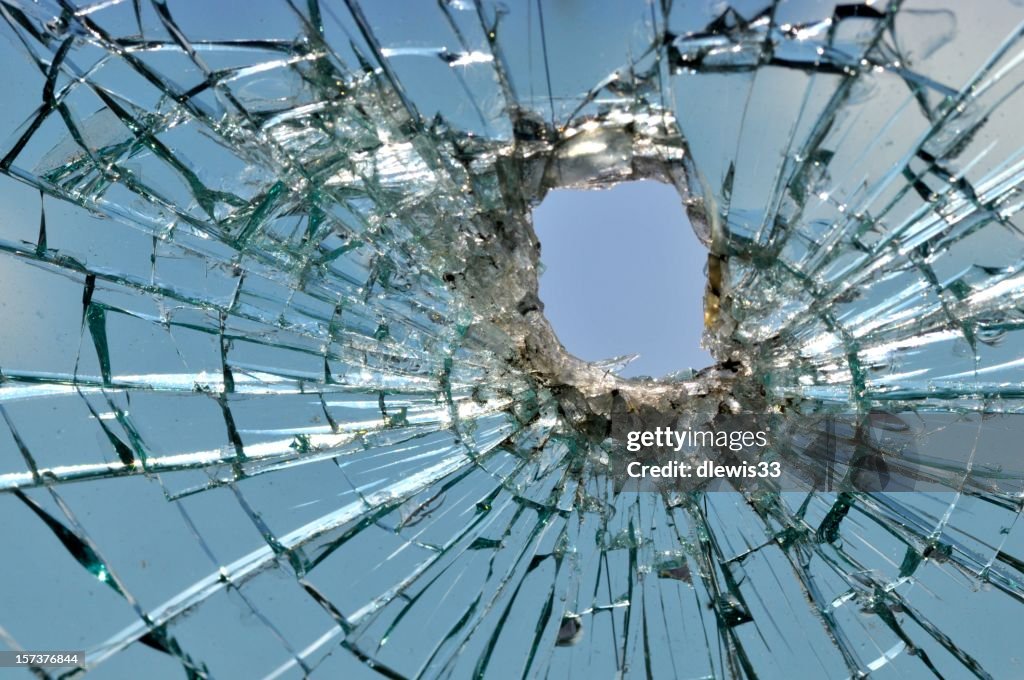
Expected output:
(624, 274)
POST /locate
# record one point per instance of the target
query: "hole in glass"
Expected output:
(623, 274)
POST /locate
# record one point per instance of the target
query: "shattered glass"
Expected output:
(279, 398)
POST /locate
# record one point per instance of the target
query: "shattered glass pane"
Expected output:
(279, 398)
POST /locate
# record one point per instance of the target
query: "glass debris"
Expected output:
(279, 398)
